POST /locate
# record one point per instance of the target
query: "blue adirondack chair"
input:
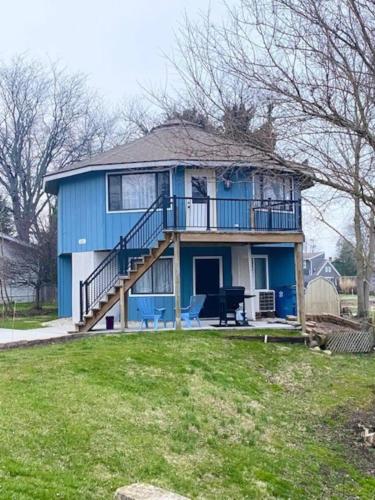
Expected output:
(148, 311)
(192, 311)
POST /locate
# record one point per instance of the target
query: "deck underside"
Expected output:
(231, 237)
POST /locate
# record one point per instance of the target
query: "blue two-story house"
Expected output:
(179, 212)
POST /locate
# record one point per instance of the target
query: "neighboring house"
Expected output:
(12, 249)
(176, 213)
(315, 264)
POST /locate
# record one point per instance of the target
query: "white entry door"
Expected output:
(199, 184)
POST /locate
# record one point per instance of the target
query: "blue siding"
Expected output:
(64, 271)
(231, 215)
(281, 275)
(83, 216)
(241, 186)
(280, 262)
(186, 271)
(82, 213)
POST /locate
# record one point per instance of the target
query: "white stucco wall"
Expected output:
(83, 264)
(241, 275)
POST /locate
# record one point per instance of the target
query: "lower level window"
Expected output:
(157, 280)
(260, 268)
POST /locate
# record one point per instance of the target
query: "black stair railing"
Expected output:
(141, 237)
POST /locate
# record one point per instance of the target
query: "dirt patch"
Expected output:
(363, 453)
(350, 435)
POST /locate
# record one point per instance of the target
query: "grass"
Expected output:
(26, 323)
(27, 317)
(191, 412)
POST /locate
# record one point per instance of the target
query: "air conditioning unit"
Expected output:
(266, 301)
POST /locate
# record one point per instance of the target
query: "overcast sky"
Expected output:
(118, 44)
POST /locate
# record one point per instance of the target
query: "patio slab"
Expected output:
(205, 325)
(64, 328)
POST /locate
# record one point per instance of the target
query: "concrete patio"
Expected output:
(64, 328)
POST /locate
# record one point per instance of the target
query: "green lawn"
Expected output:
(192, 412)
(26, 323)
(26, 317)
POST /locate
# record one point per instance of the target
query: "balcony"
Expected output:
(231, 214)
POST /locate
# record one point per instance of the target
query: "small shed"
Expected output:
(321, 296)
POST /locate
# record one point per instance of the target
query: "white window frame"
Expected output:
(133, 172)
(131, 294)
(259, 256)
(292, 200)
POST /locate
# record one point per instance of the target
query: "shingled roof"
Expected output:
(173, 143)
(311, 255)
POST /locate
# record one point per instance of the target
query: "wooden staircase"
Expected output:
(123, 285)
(125, 264)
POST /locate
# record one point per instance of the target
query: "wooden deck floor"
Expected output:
(240, 237)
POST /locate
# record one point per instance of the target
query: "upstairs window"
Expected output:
(136, 191)
(274, 188)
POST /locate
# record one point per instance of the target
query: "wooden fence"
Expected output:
(321, 296)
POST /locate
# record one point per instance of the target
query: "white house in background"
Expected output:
(315, 264)
(11, 248)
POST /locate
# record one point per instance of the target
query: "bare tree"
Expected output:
(137, 118)
(48, 119)
(34, 267)
(349, 153)
(312, 59)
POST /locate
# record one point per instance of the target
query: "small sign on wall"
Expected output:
(82, 241)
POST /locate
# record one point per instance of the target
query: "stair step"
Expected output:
(137, 262)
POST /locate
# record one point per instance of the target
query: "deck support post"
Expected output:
(123, 307)
(300, 288)
(177, 280)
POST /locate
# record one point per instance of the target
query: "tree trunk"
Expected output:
(362, 292)
(37, 297)
(21, 220)
(360, 253)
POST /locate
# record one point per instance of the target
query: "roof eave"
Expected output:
(50, 182)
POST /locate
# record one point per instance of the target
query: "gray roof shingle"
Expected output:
(179, 141)
(173, 143)
(174, 140)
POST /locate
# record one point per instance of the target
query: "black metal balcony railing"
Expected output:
(231, 214)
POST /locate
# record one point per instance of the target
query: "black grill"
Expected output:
(230, 299)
